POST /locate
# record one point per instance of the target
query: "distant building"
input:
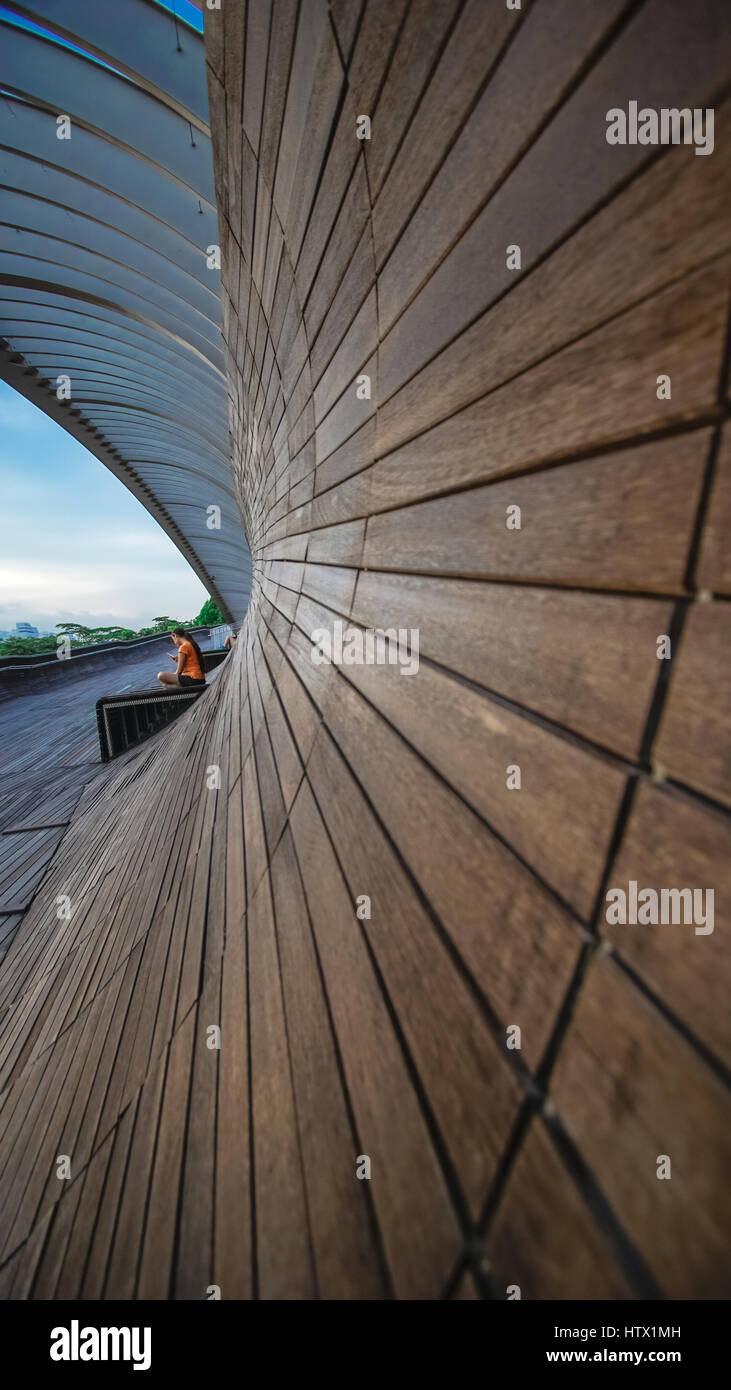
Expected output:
(25, 630)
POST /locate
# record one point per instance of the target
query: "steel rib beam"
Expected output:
(103, 273)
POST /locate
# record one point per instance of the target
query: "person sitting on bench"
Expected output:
(230, 640)
(190, 662)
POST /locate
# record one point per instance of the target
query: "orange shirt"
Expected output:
(191, 666)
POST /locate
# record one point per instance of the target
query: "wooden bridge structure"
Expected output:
(331, 870)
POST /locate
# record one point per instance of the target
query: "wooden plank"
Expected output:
(332, 306)
(81, 1233)
(574, 167)
(8, 926)
(559, 818)
(549, 44)
(121, 1276)
(693, 743)
(97, 1254)
(473, 47)
(330, 584)
(344, 1250)
(600, 272)
(23, 860)
(585, 661)
(674, 841)
(24, 1185)
(346, 359)
(554, 410)
(486, 900)
(461, 1063)
(714, 567)
(285, 1265)
(157, 1244)
(629, 1090)
(582, 524)
(544, 1238)
(233, 1209)
(417, 1225)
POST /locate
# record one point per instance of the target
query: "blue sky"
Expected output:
(75, 545)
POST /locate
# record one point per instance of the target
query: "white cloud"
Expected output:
(46, 592)
(75, 545)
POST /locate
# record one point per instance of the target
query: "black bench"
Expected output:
(125, 720)
(214, 657)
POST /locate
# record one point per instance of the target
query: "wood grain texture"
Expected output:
(583, 525)
(327, 862)
(586, 661)
(544, 1238)
(693, 743)
(714, 570)
(674, 841)
(617, 1088)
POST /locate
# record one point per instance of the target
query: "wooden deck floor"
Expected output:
(50, 752)
(325, 868)
(90, 1003)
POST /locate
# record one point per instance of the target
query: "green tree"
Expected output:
(77, 631)
(209, 616)
(81, 636)
(27, 646)
(108, 632)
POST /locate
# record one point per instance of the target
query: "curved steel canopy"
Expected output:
(104, 274)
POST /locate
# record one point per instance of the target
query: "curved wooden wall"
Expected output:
(235, 905)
